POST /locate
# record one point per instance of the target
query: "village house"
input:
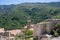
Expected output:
(14, 32)
(9, 35)
(2, 31)
(31, 27)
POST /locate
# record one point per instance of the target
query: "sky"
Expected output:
(8, 2)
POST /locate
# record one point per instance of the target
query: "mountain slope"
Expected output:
(15, 16)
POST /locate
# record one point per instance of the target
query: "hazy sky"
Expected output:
(7, 2)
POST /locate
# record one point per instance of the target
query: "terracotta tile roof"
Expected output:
(2, 30)
(14, 32)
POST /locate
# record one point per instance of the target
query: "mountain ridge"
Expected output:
(15, 16)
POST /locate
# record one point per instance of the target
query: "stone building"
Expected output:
(9, 35)
(28, 23)
(29, 26)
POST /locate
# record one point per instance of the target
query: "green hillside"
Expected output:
(15, 16)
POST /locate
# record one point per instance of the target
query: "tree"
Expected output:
(28, 32)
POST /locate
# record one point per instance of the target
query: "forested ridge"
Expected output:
(15, 16)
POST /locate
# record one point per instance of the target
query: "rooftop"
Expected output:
(2, 30)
